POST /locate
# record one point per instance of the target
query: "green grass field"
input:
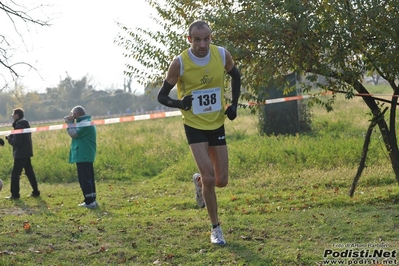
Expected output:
(287, 201)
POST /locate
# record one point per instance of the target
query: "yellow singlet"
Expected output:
(206, 84)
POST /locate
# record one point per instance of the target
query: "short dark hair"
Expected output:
(199, 24)
(19, 112)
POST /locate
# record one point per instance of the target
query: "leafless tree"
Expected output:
(12, 14)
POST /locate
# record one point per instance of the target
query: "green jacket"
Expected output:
(84, 143)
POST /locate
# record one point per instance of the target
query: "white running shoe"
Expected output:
(198, 191)
(89, 206)
(217, 236)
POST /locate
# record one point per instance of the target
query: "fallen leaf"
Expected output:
(122, 260)
(169, 256)
(6, 252)
(246, 237)
(26, 226)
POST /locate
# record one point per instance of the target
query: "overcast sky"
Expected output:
(79, 42)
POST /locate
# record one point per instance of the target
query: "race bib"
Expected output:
(206, 101)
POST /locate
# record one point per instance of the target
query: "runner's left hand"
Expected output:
(231, 112)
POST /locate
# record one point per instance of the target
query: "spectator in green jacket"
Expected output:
(83, 152)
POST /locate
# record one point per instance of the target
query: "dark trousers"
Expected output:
(86, 181)
(25, 164)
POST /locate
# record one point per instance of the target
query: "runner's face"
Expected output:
(200, 39)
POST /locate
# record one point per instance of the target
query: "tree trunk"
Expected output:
(388, 134)
(362, 163)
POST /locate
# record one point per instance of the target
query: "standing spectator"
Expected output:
(22, 153)
(83, 152)
(199, 74)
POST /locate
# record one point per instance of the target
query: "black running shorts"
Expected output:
(214, 137)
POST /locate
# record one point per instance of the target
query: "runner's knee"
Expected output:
(221, 182)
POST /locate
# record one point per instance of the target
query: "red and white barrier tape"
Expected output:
(290, 98)
(139, 117)
(95, 122)
(165, 114)
(285, 99)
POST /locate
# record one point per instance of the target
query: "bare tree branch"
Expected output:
(21, 14)
(16, 13)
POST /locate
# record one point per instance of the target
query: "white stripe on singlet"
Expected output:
(201, 61)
